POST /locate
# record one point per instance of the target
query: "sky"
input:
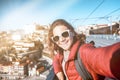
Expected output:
(15, 14)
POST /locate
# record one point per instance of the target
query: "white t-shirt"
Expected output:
(65, 58)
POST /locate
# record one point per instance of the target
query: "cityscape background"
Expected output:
(24, 26)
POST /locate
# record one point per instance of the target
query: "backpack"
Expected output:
(81, 69)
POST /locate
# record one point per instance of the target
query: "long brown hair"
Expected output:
(52, 45)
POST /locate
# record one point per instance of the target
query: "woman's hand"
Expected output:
(60, 75)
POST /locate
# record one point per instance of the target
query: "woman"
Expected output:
(103, 61)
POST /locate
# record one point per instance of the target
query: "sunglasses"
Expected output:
(64, 34)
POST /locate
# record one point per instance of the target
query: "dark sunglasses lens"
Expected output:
(56, 38)
(65, 34)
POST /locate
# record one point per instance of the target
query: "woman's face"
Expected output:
(63, 37)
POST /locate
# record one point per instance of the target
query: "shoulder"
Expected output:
(86, 46)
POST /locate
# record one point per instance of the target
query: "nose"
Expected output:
(61, 38)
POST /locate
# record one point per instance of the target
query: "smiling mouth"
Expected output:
(64, 43)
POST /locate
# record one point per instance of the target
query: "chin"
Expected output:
(66, 48)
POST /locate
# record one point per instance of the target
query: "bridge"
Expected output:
(103, 40)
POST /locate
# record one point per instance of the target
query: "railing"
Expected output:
(111, 37)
